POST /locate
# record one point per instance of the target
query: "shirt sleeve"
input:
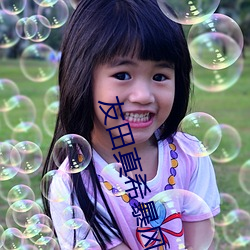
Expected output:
(62, 220)
(203, 183)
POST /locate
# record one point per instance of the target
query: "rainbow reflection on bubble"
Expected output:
(38, 62)
(217, 80)
(237, 233)
(244, 177)
(75, 149)
(8, 89)
(215, 43)
(227, 204)
(13, 7)
(8, 35)
(230, 144)
(188, 12)
(21, 110)
(57, 14)
(87, 245)
(202, 130)
(56, 186)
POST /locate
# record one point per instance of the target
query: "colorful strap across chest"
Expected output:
(171, 179)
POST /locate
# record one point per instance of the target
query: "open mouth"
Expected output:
(137, 117)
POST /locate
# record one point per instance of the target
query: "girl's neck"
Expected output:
(147, 151)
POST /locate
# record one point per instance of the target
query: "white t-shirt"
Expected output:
(193, 196)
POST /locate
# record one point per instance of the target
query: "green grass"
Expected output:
(230, 107)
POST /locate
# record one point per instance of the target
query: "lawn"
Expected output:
(230, 107)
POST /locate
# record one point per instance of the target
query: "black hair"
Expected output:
(97, 31)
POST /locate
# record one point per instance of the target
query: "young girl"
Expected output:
(128, 50)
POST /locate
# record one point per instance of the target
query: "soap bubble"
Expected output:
(8, 89)
(111, 181)
(87, 245)
(28, 132)
(57, 14)
(56, 186)
(216, 43)
(45, 2)
(21, 110)
(217, 80)
(38, 62)
(244, 176)
(238, 232)
(5, 186)
(19, 213)
(12, 238)
(75, 149)
(10, 161)
(51, 95)
(188, 12)
(20, 192)
(49, 118)
(73, 218)
(230, 144)
(8, 35)
(40, 24)
(13, 7)
(202, 131)
(26, 28)
(31, 157)
(171, 202)
(227, 204)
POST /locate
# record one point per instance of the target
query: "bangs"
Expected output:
(140, 34)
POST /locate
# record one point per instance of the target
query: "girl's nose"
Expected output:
(141, 93)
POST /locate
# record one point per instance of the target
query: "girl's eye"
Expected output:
(122, 76)
(159, 78)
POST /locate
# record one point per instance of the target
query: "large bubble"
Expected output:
(75, 149)
(31, 156)
(202, 131)
(13, 7)
(244, 177)
(230, 144)
(171, 202)
(217, 80)
(57, 14)
(20, 192)
(238, 232)
(28, 132)
(18, 179)
(56, 186)
(12, 238)
(10, 161)
(40, 26)
(73, 219)
(215, 43)
(51, 95)
(8, 89)
(39, 62)
(21, 110)
(8, 35)
(49, 117)
(26, 28)
(45, 2)
(188, 12)
(227, 204)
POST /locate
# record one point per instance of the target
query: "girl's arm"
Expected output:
(122, 246)
(199, 235)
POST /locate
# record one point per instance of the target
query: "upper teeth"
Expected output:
(136, 115)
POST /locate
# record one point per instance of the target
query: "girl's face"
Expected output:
(147, 90)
